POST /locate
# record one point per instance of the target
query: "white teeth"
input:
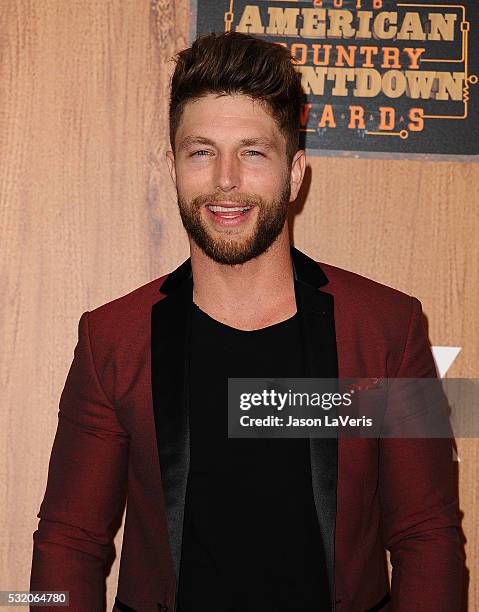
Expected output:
(228, 208)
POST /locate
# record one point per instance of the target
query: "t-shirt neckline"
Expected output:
(225, 326)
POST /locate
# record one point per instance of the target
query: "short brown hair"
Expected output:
(235, 63)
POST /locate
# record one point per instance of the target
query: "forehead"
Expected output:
(230, 117)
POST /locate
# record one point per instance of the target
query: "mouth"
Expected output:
(228, 212)
(229, 215)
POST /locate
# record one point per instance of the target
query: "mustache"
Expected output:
(238, 198)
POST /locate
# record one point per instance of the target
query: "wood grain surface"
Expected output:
(88, 213)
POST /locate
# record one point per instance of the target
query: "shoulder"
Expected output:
(371, 310)
(374, 319)
(142, 297)
(364, 294)
(125, 319)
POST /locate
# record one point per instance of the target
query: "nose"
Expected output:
(227, 172)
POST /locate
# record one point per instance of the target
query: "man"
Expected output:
(236, 524)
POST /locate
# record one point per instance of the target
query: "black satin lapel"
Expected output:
(319, 340)
(170, 328)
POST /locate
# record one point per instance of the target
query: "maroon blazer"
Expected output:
(123, 434)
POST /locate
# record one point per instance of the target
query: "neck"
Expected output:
(255, 294)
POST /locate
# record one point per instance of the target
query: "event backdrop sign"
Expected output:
(382, 78)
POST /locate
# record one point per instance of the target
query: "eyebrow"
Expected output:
(267, 143)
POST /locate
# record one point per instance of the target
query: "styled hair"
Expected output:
(235, 63)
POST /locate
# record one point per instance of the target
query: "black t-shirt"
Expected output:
(251, 539)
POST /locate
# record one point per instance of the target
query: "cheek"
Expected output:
(265, 185)
(194, 174)
(260, 180)
(192, 183)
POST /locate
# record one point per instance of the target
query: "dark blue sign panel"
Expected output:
(381, 78)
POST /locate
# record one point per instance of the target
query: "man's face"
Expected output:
(232, 177)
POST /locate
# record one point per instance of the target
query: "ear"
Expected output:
(298, 166)
(170, 160)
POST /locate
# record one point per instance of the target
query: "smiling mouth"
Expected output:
(228, 212)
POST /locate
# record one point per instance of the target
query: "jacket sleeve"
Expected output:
(86, 488)
(420, 513)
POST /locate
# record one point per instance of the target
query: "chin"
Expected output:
(234, 252)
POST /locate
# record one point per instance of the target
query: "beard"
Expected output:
(271, 214)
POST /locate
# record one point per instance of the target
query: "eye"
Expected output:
(254, 153)
(202, 153)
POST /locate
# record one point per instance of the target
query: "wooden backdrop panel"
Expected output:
(88, 213)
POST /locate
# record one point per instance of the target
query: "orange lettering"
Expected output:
(327, 117)
(304, 114)
(414, 55)
(386, 118)
(415, 114)
(368, 52)
(356, 116)
(390, 57)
